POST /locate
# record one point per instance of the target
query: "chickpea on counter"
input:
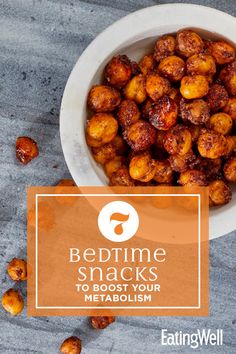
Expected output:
(173, 113)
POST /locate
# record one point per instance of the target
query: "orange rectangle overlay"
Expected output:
(117, 251)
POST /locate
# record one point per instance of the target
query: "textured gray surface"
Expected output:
(39, 43)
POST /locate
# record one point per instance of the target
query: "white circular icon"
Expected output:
(118, 221)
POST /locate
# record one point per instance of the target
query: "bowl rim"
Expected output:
(115, 36)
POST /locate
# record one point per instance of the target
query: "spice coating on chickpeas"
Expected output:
(169, 118)
(211, 144)
(228, 77)
(118, 71)
(121, 177)
(142, 167)
(196, 111)
(201, 64)
(230, 170)
(147, 64)
(128, 113)
(163, 113)
(217, 97)
(178, 140)
(220, 123)
(172, 68)
(164, 172)
(102, 322)
(104, 153)
(135, 89)
(230, 108)
(12, 302)
(102, 98)
(181, 163)
(189, 43)
(230, 145)
(222, 52)
(71, 345)
(101, 129)
(17, 269)
(140, 136)
(219, 193)
(156, 86)
(114, 165)
(164, 47)
(26, 149)
(192, 178)
(195, 86)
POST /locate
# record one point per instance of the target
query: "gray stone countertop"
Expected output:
(40, 42)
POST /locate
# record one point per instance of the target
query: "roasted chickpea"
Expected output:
(121, 177)
(164, 47)
(195, 86)
(211, 167)
(71, 345)
(101, 129)
(102, 98)
(147, 64)
(66, 183)
(164, 172)
(17, 269)
(230, 170)
(101, 322)
(104, 154)
(201, 64)
(228, 77)
(189, 43)
(128, 113)
(192, 178)
(211, 144)
(196, 111)
(26, 149)
(217, 97)
(140, 135)
(118, 71)
(230, 145)
(178, 140)
(172, 68)
(156, 86)
(163, 113)
(222, 52)
(120, 145)
(135, 89)
(181, 163)
(114, 165)
(221, 123)
(219, 193)
(230, 108)
(12, 302)
(142, 167)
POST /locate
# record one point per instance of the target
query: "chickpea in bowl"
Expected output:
(174, 116)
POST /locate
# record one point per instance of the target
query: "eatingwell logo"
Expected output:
(118, 221)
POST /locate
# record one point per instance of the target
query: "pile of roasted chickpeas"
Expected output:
(169, 119)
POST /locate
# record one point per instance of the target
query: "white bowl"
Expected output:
(132, 35)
